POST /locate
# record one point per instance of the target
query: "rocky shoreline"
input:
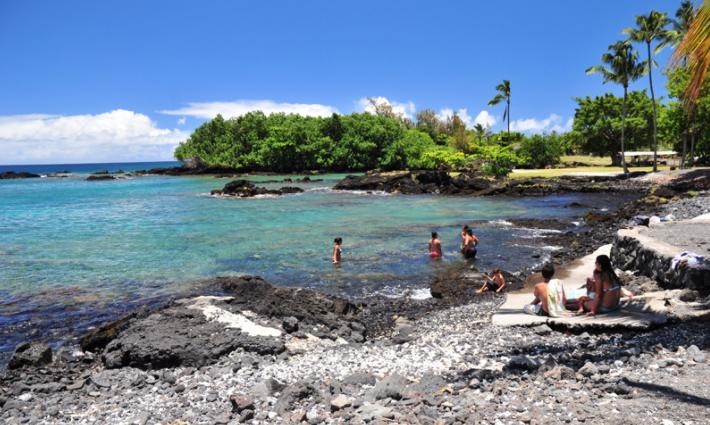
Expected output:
(248, 351)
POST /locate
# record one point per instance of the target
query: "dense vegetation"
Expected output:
(355, 142)
(604, 125)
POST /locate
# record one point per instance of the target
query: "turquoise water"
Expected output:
(74, 252)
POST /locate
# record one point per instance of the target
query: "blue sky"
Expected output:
(85, 81)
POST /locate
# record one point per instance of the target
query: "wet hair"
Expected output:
(496, 270)
(434, 235)
(469, 232)
(338, 240)
(465, 228)
(548, 270)
(606, 266)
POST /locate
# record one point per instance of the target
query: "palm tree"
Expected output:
(503, 94)
(621, 66)
(679, 26)
(650, 28)
(694, 52)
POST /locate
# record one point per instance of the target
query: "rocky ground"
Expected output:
(249, 352)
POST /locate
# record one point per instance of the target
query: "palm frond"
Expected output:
(496, 100)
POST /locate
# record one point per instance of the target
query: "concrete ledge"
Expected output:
(650, 250)
(511, 314)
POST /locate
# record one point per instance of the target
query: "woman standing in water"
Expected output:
(337, 250)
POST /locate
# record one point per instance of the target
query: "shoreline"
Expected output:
(399, 331)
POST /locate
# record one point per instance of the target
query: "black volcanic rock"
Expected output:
(418, 182)
(20, 175)
(26, 354)
(246, 189)
(100, 177)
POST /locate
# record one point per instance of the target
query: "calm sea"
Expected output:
(74, 253)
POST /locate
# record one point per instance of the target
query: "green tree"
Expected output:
(503, 94)
(621, 66)
(407, 151)
(675, 125)
(598, 122)
(649, 29)
(540, 150)
(497, 160)
(429, 122)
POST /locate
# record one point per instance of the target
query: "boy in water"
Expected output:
(435, 246)
(337, 250)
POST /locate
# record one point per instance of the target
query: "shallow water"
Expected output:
(74, 252)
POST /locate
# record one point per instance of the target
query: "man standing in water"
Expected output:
(435, 246)
(337, 250)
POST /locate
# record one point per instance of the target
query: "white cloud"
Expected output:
(406, 109)
(485, 119)
(447, 113)
(532, 125)
(209, 110)
(181, 121)
(114, 136)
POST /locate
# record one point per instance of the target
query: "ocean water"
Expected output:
(74, 253)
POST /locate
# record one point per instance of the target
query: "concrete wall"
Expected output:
(632, 251)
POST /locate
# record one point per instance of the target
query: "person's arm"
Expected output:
(536, 293)
(335, 254)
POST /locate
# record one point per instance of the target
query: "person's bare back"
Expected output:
(435, 246)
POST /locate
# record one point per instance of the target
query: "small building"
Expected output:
(664, 157)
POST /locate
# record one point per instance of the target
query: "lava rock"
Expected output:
(30, 354)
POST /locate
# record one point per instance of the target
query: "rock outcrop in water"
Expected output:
(101, 177)
(247, 189)
(441, 182)
(251, 315)
(21, 175)
(419, 182)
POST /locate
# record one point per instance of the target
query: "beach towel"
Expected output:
(555, 301)
(686, 259)
(555, 298)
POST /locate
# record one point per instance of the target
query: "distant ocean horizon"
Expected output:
(88, 167)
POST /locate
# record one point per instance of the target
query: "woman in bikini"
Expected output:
(604, 289)
(435, 246)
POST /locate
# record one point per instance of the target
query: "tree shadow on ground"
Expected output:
(668, 392)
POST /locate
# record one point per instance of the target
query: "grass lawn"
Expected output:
(597, 161)
(556, 172)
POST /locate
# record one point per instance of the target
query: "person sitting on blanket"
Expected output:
(604, 289)
(549, 295)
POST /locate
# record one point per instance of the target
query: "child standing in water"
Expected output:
(435, 246)
(337, 250)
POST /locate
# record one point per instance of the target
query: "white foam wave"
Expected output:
(501, 222)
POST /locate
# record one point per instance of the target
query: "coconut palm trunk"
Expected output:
(508, 107)
(653, 99)
(623, 128)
